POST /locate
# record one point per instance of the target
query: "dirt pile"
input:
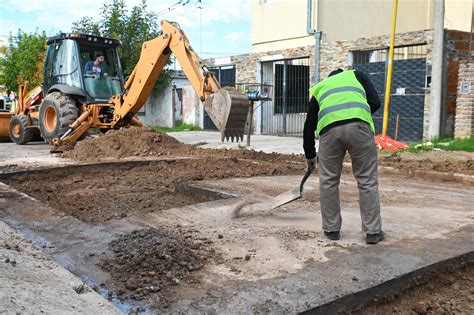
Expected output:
(446, 162)
(117, 144)
(146, 262)
(123, 143)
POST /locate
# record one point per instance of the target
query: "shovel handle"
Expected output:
(308, 172)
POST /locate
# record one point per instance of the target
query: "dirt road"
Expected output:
(122, 224)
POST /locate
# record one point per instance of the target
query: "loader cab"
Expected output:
(65, 62)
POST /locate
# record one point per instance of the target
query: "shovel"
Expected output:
(292, 194)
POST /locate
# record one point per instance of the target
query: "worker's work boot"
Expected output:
(374, 238)
(333, 236)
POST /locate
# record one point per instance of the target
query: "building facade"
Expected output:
(355, 36)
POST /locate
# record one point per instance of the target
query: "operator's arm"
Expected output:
(310, 126)
(88, 67)
(372, 95)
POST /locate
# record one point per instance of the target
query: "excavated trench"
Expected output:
(157, 235)
(93, 220)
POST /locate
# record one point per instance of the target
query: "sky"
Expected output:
(219, 28)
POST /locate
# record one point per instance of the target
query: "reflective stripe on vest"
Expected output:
(341, 89)
(341, 97)
(334, 108)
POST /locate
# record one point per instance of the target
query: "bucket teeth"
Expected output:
(228, 109)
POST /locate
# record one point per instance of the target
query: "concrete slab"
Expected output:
(264, 143)
(293, 267)
(32, 283)
(32, 155)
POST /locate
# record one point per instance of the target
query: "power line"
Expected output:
(173, 7)
(200, 7)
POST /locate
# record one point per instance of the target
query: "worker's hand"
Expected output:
(311, 163)
(106, 74)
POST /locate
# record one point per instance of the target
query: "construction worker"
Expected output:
(340, 112)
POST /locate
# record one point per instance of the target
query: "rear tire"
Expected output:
(57, 112)
(19, 131)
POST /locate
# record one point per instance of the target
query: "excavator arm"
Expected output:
(227, 107)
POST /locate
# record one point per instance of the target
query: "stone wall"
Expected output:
(464, 124)
(333, 54)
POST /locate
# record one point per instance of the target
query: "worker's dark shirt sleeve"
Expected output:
(309, 130)
(372, 95)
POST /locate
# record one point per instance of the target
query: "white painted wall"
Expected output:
(189, 101)
(158, 109)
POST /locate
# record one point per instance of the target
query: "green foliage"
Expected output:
(86, 25)
(132, 27)
(22, 59)
(444, 144)
(179, 127)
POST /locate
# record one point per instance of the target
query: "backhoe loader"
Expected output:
(76, 100)
(21, 125)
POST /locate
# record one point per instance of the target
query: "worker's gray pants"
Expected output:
(357, 138)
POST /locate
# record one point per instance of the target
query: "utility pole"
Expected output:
(200, 7)
(317, 36)
(436, 71)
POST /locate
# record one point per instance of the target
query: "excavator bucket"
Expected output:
(228, 110)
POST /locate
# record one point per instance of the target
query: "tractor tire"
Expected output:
(57, 112)
(19, 131)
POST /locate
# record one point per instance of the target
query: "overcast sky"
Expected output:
(220, 28)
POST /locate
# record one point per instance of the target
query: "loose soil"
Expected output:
(145, 142)
(449, 292)
(445, 162)
(146, 261)
(99, 193)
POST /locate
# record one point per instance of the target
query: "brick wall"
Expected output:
(457, 49)
(464, 123)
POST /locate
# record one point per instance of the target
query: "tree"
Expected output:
(22, 60)
(86, 25)
(132, 28)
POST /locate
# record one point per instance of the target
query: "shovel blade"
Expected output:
(286, 197)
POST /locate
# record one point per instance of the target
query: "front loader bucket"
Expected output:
(228, 110)
(4, 123)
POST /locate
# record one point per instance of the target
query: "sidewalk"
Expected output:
(32, 283)
(267, 144)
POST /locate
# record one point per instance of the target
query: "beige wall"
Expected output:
(279, 20)
(458, 15)
(280, 24)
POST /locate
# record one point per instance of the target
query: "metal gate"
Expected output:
(407, 94)
(226, 77)
(288, 84)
